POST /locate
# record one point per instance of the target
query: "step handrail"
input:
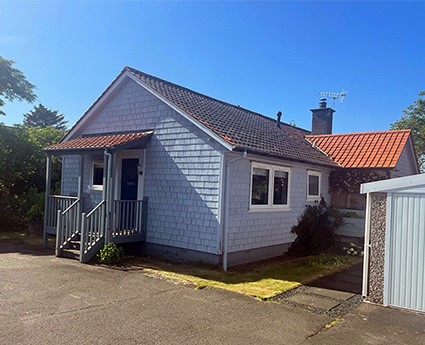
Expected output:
(93, 229)
(95, 208)
(71, 206)
(68, 225)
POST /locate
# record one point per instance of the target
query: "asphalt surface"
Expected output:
(47, 300)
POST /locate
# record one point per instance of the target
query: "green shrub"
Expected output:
(110, 254)
(316, 230)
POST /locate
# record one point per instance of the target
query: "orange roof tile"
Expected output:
(99, 141)
(363, 150)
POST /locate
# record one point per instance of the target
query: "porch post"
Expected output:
(80, 190)
(46, 197)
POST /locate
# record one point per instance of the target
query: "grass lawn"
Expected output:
(262, 280)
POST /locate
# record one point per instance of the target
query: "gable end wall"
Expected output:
(406, 163)
(182, 169)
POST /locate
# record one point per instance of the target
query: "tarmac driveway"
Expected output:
(46, 300)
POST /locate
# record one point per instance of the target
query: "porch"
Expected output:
(108, 205)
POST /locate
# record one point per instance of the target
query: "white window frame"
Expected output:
(270, 206)
(92, 185)
(319, 175)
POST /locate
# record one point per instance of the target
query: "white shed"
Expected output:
(394, 262)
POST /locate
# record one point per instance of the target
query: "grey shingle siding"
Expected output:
(181, 173)
(256, 229)
(406, 163)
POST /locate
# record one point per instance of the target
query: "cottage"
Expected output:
(185, 175)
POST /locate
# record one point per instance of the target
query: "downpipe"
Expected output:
(226, 208)
(108, 195)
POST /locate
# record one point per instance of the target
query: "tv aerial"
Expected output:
(335, 96)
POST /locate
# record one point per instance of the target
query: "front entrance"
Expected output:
(129, 178)
(129, 189)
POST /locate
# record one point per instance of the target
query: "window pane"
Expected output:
(280, 195)
(98, 174)
(313, 185)
(260, 186)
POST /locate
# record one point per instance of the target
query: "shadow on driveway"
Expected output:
(348, 280)
(34, 249)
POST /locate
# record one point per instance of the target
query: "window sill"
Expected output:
(259, 210)
(310, 199)
(96, 188)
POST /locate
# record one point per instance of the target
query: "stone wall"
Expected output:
(377, 250)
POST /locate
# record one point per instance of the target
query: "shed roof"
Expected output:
(363, 150)
(406, 184)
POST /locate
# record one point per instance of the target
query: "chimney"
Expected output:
(278, 116)
(322, 119)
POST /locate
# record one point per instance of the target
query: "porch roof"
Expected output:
(113, 142)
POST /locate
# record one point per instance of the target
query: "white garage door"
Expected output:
(405, 252)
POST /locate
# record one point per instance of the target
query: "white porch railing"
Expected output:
(122, 221)
(67, 225)
(54, 204)
(93, 230)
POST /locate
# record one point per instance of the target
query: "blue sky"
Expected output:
(265, 56)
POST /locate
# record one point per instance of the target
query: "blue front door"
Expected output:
(129, 179)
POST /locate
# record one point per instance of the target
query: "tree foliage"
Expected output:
(22, 170)
(414, 118)
(42, 117)
(13, 84)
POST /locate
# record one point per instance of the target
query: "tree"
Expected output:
(42, 117)
(22, 170)
(414, 118)
(13, 84)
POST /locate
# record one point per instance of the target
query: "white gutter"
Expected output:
(226, 208)
(366, 249)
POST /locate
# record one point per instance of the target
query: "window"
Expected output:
(269, 186)
(313, 185)
(97, 175)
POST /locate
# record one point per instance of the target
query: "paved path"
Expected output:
(46, 300)
(348, 280)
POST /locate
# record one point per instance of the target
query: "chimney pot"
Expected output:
(323, 103)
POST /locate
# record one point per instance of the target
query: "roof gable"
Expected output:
(364, 150)
(232, 126)
(240, 127)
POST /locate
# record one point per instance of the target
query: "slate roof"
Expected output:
(242, 128)
(363, 150)
(97, 142)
